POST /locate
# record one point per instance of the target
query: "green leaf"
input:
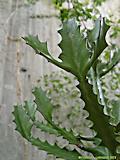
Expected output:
(98, 151)
(30, 109)
(75, 55)
(97, 37)
(46, 128)
(103, 69)
(95, 140)
(38, 46)
(44, 105)
(22, 120)
(115, 113)
(24, 126)
(101, 42)
(94, 33)
(55, 150)
(67, 135)
(41, 49)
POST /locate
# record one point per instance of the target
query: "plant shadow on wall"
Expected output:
(81, 59)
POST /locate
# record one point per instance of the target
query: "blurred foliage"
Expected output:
(68, 107)
(115, 29)
(111, 82)
(84, 10)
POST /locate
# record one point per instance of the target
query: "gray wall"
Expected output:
(15, 55)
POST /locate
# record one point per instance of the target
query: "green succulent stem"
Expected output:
(96, 115)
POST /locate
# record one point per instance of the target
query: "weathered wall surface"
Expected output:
(20, 68)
